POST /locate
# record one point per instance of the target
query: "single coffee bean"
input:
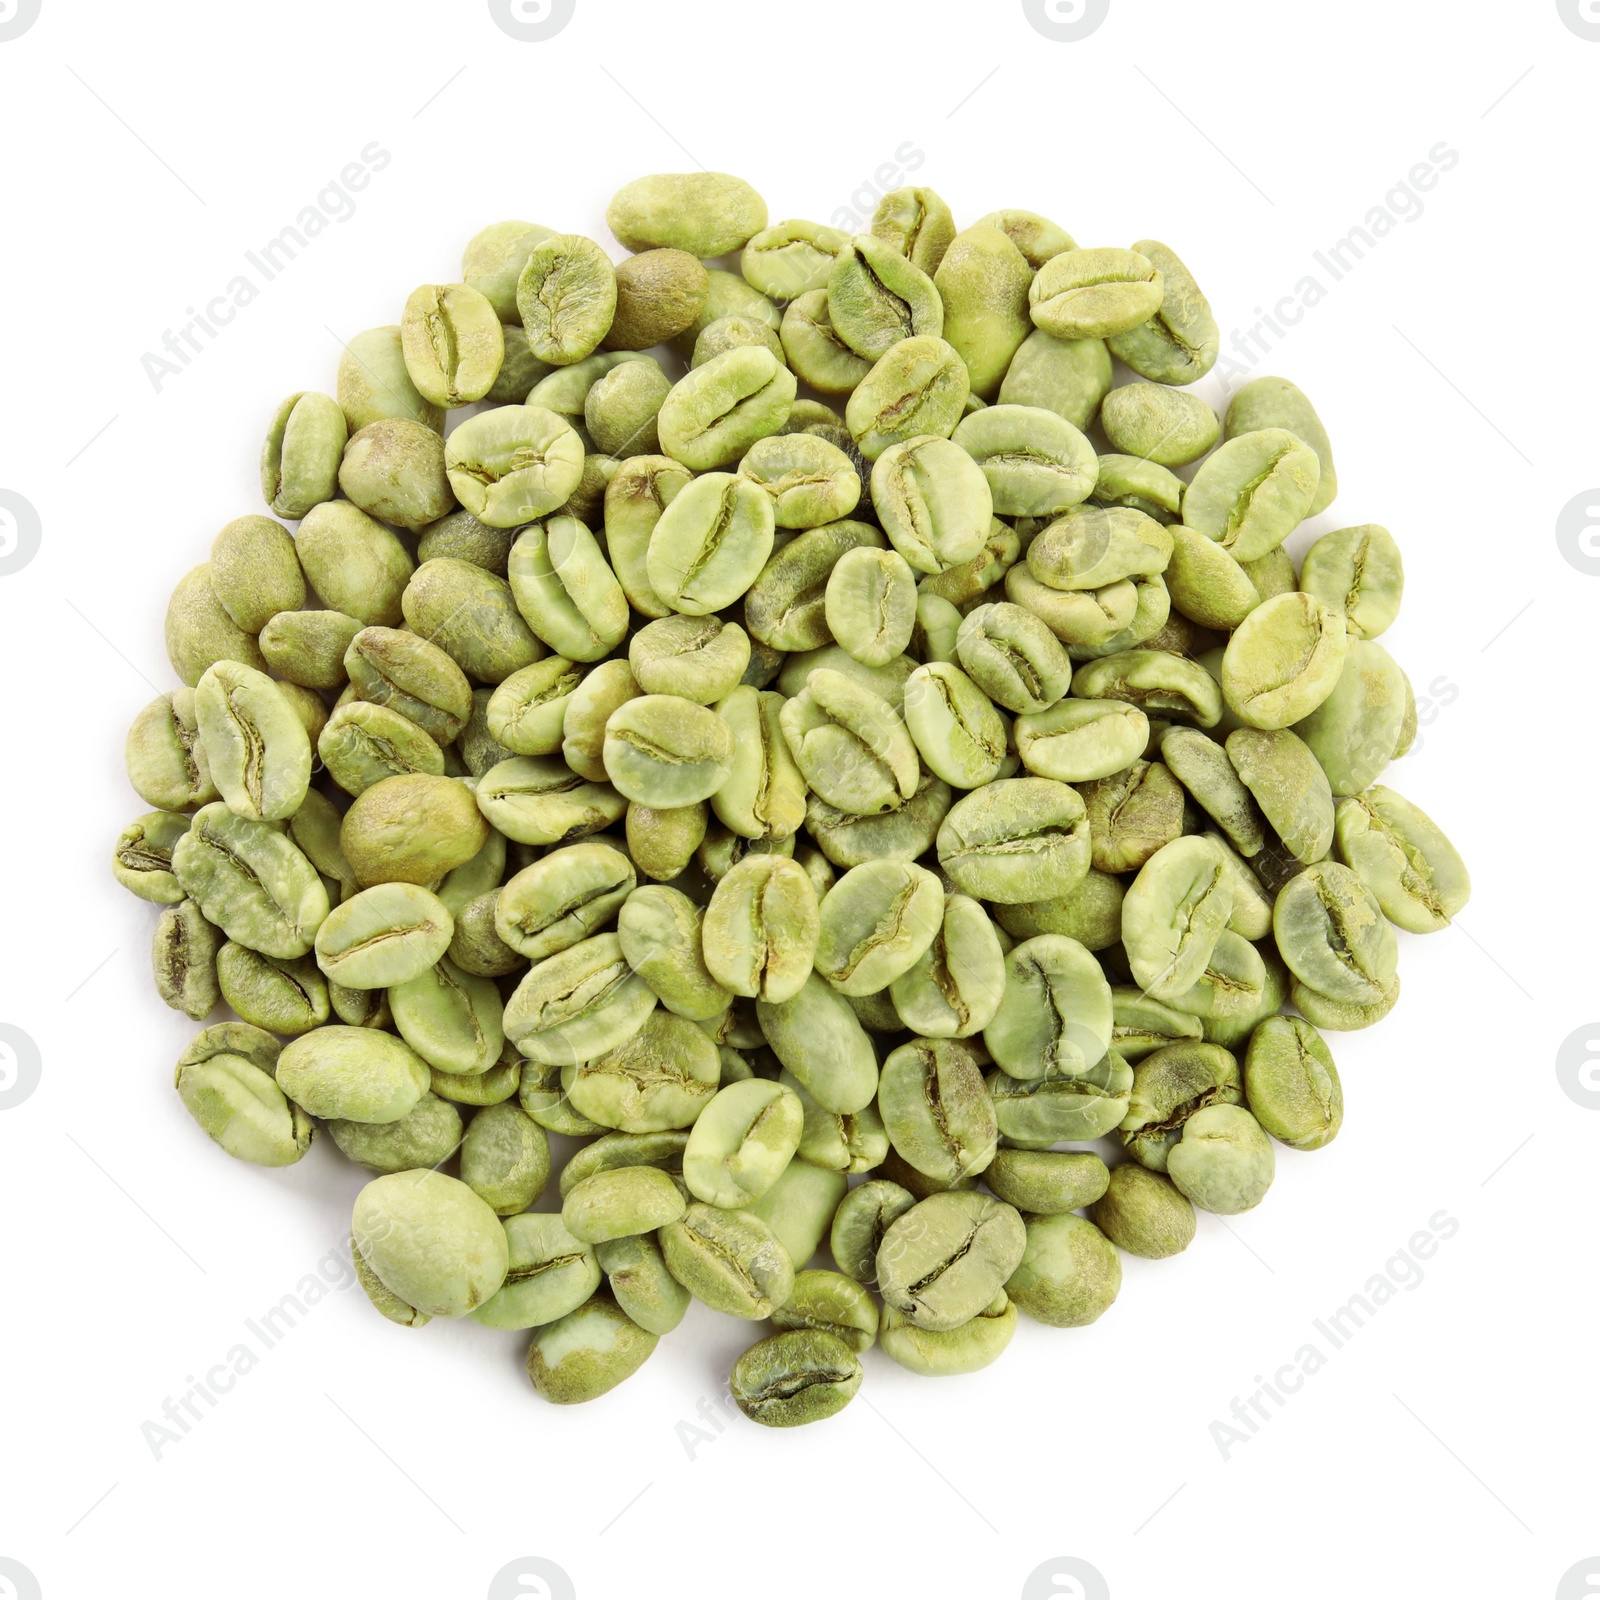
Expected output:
(621, 1202)
(1224, 1162)
(917, 223)
(933, 501)
(877, 297)
(1180, 342)
(286, 997)
(1069, 1273)
(717, 411)
(661, 1078)
(946, 1258)
(549, 1273)
(431, 1241)
(1403, 858)
(973, 1345)
(1143, 1213)
(396, 471)
(710, 543)
(936, 1108)
(578, 1004)
(849, 744)
(1094, 294)
(795, 1377)
(1283, 777)
(1048, 1182)
(225, 1080)
(1016, 840)
(587, 1353)
(1253, 492)
(664, 751)
(1055, 1015)
(540, 800)
(741, 1142)
(300, 458)
(917, 388)
(355, 1073)
(256, 747)
(1292, 1084)
(249, 880)
(816, 1036)
(1357, 571)
(1069, 376)
(183, 956)
(730, 1260)
(705, 214)
(1284, 660)
(450, 336)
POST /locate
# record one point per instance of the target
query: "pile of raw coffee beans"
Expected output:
(827, 816)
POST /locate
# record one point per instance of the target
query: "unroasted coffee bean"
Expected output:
(764, 793)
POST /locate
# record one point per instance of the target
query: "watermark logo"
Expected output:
(1583, 18)
(531, 1578)
(532, 21)
(17, 1583)
(1065, 1578)
(1442, 692)
(1581, 1582)
(182, 1413)
(206, 320)
(856, 217)
(19, 532)
(1247, 348)
(16, 17)
(1066, 21)
(1578, 1070)
(1402, 1272)
(20, 1068)
(1578, 531)
(708, 1423)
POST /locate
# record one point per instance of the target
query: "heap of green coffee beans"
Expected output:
(791, 735)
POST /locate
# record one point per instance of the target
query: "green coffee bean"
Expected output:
(1037, 463)
(1068, 1275)
(705, 214)
(301, 456)
(796, 1377)
(1016, 840)
(946, 1258)
(1253, 492)
(917, 388)
(453, 346)
(1094, 294)
(917, 223)
(225, 1080)
(250, 881)
(183, 958)
(877, 297)
(933, 500)
(1180, 341)
(730, 1260)
(1403, 859)
(717, 411)
(1054, 1018)
(549, 1273)
(1357, 571)
(1021, 776)
(710, 542)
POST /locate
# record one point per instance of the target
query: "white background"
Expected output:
(1448, 1446)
